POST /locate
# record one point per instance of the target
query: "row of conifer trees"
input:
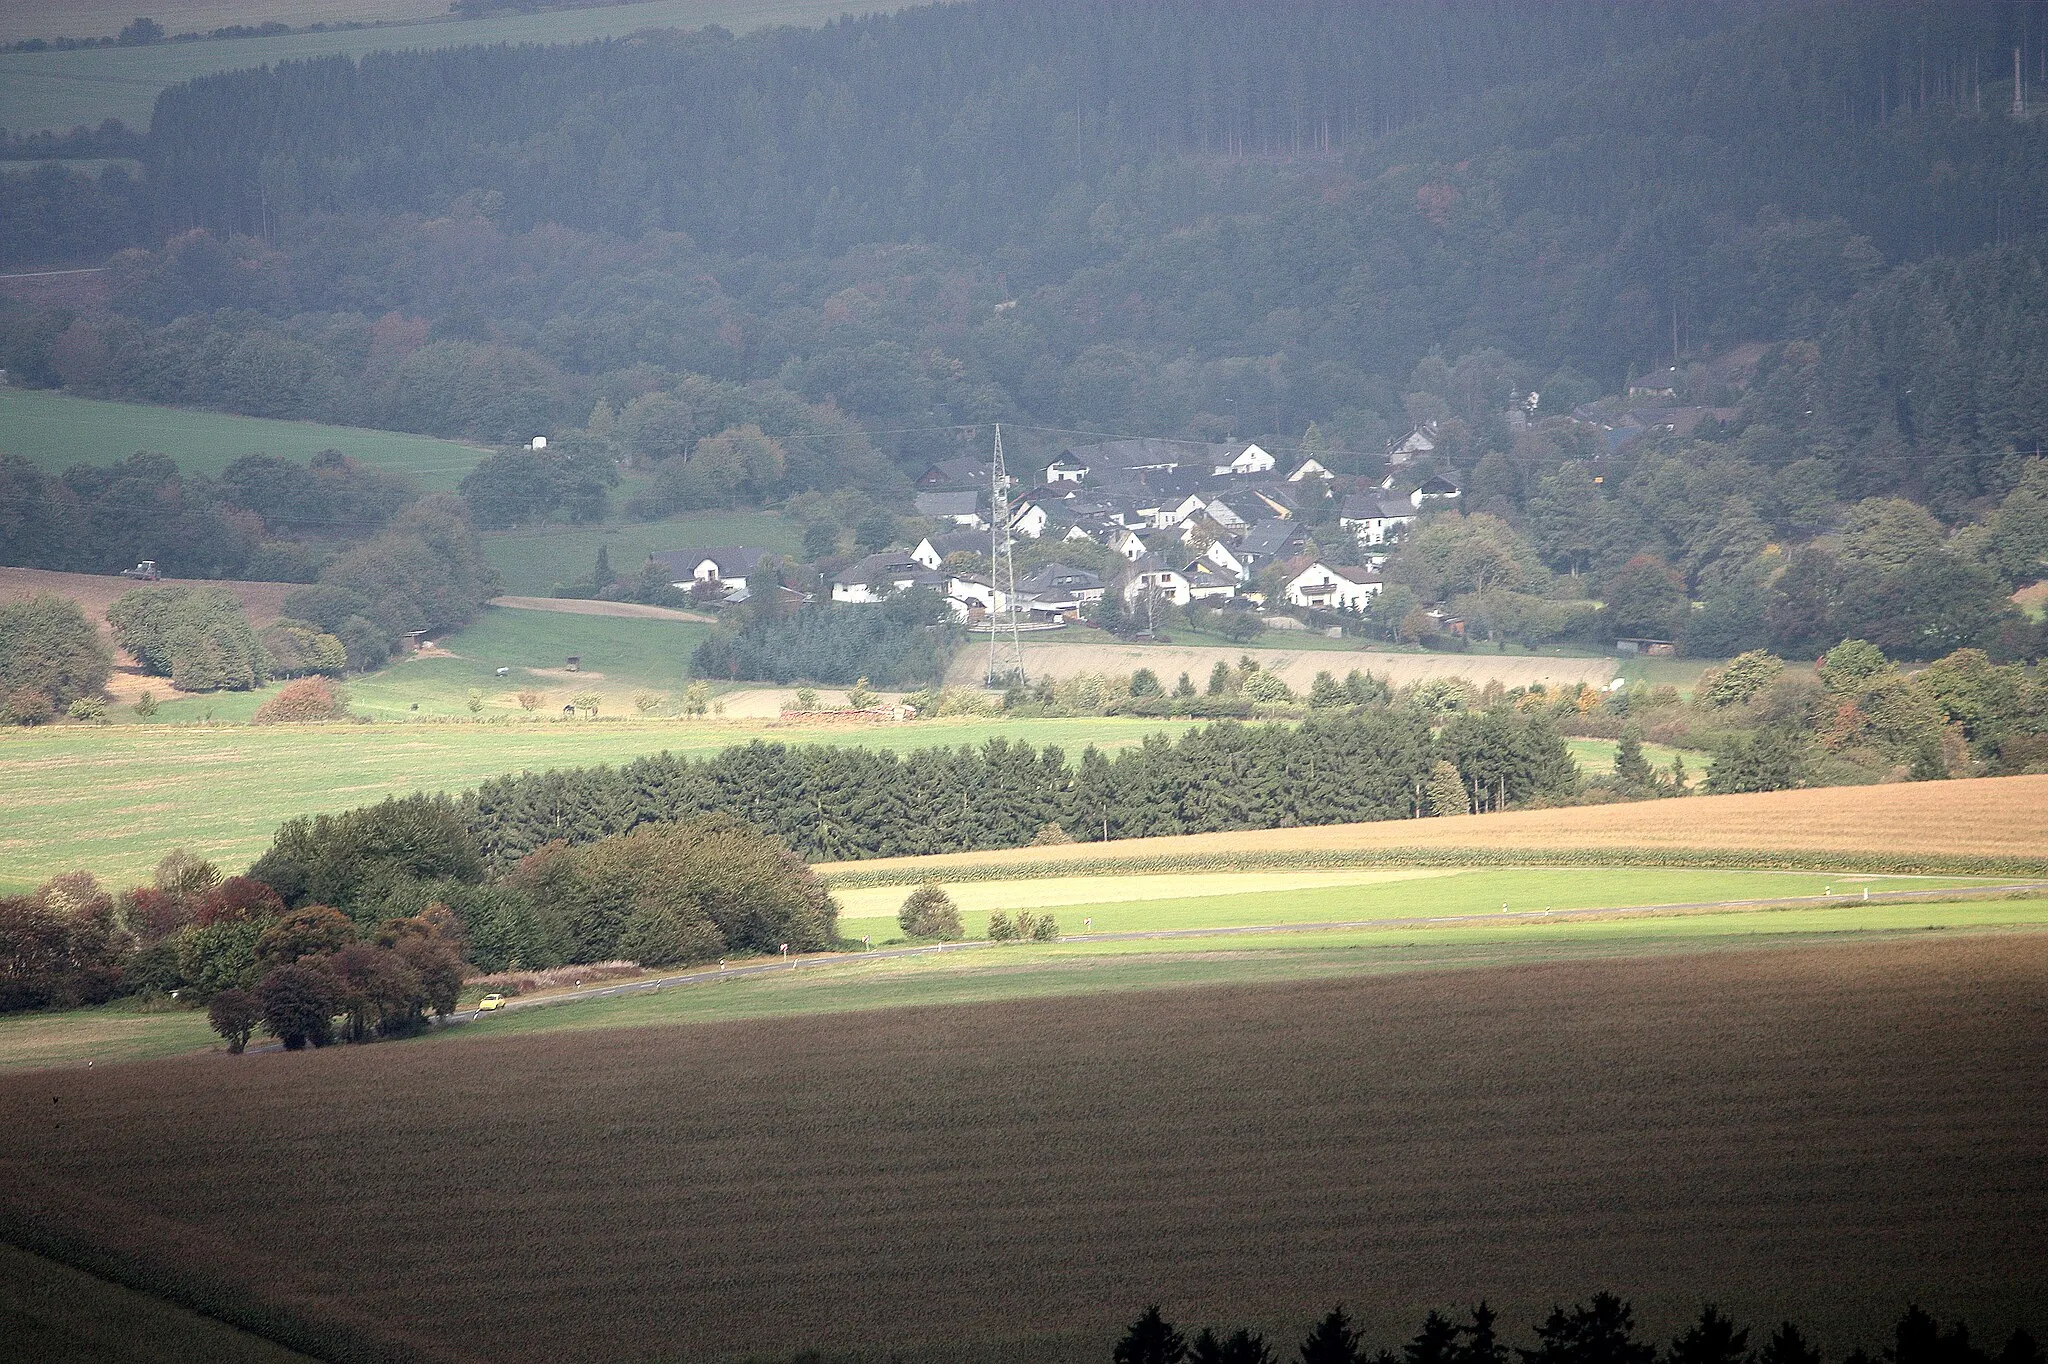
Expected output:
(833, 802)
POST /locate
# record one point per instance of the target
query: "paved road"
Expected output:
(1503, 915)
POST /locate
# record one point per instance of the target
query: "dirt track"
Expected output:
(1824, 1133)
(569, 606)
(1297, 668)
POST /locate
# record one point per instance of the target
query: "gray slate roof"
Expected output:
(734, 561)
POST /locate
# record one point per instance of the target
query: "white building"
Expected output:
(1250, 460)
(1333, 587)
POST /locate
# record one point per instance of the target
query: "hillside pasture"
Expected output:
(115, 799)
(532, 562)
(56, 430)
(62, 89)
(1821, 1133)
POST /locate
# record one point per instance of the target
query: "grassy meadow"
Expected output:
(63, 89)
(1277, 1132)
(1166, 902)
(56, 431)
(532, 562)
(115, 800)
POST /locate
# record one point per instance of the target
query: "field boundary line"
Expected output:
(812, 961)
(853, 876)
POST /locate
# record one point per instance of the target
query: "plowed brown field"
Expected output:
(2002, 817)
(1825, 1133)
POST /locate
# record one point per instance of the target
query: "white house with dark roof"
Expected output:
(1209, 582)
(1333, 587)
(878, 575)
(1154, 574)
(725, 564)
(1224, 556)
(933, 549)
(1250, 460)
(1080, 583)
(1376, 517)
(961, 507)
(1436, 490)
(1309, 468)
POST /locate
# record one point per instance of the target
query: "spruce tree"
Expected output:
(1632, 773)
(1447, 793)
(1332, 1341)
(1151, 1339)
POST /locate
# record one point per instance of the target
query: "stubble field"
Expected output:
(1820, 1133)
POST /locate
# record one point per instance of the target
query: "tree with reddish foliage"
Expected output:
(234, 1014)
(299, 1004)
(239, 899)
(381, 995)
(314, 931)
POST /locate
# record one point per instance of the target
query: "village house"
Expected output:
(1333, 587)
(1154, 574)
(728, 564)
(1377, 517)
(1079, 583)
(1419, 443)
(1250, 460)
(962, 507)
(878, 575)
(933, 550)
(1309, 468)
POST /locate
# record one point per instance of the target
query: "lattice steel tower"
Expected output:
(1005, 655)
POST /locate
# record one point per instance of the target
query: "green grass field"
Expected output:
(532, 562)
(1340, 897)
(114, 800)
(56, 431)
(1035, 970)
(62, 89)
(851, 983)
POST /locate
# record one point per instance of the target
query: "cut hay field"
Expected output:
(56, 430)
(1296, 662)
(115, 799)
(1820, 1133)
(1933, 824)
(62, 89)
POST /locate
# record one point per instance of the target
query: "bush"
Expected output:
(1000, 929)
(88, 710)
(309, 700)
(928, 912)
(27, 706)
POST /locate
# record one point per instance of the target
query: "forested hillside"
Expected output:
(1193, 220)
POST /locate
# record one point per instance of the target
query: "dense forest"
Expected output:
(824, 257)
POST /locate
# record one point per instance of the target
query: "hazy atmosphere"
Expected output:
(1024, 680)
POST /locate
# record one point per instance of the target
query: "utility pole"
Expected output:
(2019, 87)
(1005, 658)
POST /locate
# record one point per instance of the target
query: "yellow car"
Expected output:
(490, 1002)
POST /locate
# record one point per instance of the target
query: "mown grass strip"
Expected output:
(1331, 859)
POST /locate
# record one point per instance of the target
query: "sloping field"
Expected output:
(95, 592)
(1926, 823)
(56, 430)
(115, 799)
(1297, 668)
(1823, 1134)
(61, 89)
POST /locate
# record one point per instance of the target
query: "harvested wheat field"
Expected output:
(1298, 668)
(1914, 825)
(1825, 1133)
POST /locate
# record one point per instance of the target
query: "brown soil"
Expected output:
(574, 607)
(1823, 1133)
(94, 592)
